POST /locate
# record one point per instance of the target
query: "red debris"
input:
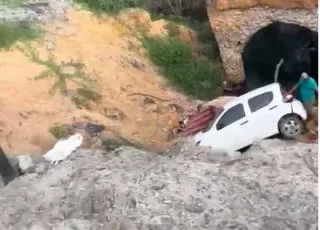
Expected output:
(199, 121)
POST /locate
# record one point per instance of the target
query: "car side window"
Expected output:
(234, 114)
(260, 101)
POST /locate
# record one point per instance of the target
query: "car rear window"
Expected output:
(260, 101)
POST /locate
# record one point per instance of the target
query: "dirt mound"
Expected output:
(138, 20)
(311, 128)
(114, 58)
(270, 188)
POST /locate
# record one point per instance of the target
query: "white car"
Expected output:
(256, 115)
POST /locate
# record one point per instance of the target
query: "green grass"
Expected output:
(204, 33)
(112, 144)
(59, 131)
(88, 94)
(83, 97)
(109, 6)
(11, 32)
(210, 47)
(192, 76)
(12, 3)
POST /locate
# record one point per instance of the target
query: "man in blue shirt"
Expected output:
(306, 88)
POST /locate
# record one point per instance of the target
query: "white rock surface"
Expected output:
(269, 188)
(25, 163)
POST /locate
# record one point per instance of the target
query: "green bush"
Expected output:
(204, 34)
(59, 131)
(12, 3)
(13, 32)
(196, 78)
(110, 6)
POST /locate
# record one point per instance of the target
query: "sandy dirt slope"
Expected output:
(107, 48)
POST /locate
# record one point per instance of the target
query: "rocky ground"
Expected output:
(39, 10)
(273, 186)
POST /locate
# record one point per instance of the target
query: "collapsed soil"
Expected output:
(108, 49)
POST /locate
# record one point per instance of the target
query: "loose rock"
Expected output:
(99, 190)
(115, 114)
(160, 223)
(195, 205)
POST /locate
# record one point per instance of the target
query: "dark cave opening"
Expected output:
(297, 45)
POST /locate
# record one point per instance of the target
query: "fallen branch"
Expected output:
(148, 95)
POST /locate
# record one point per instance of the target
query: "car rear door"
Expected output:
(230, 131)
(264, 115)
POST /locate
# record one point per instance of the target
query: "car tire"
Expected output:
(244, 149)
(290, 126)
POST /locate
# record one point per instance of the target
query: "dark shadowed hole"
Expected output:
(297, 45)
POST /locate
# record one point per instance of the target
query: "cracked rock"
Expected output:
(160, 223)
(195, 205)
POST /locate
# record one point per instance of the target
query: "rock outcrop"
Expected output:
(273, 186)
(235, 21)
(285, 4)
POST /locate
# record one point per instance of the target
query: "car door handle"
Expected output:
(273, 107)
(244, 123)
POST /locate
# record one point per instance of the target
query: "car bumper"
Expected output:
(297, 107)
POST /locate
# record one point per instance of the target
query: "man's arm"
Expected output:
(294, 88)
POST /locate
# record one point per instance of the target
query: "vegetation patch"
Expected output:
(83, 97)
(205, 36)
(112, 144)
(11, 32)
(209, 43)
(191, 75)
(13, 3)
(88, 94)
(109, 6)
(59, 131)
(63, 73)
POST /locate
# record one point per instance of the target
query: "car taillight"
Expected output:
(288, 98)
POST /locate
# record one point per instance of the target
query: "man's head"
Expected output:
(304, 76)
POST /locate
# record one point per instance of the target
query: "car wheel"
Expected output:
(290, 126)
(244, 149)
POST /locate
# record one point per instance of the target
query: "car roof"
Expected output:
(253, 93)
